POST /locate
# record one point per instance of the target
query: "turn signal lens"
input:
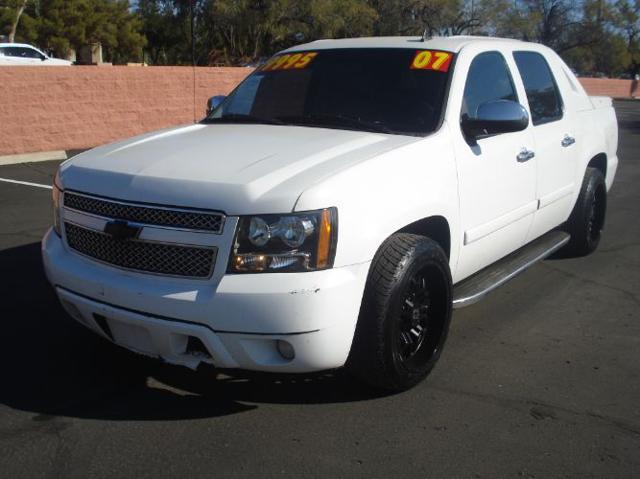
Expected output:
(324, 240)
(56, 196)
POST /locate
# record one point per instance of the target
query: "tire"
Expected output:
(587, 218)
(405, 314)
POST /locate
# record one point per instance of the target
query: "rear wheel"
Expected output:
(587, 218)
(405, 313)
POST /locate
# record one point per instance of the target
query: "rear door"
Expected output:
(497, 190)
(555, 142)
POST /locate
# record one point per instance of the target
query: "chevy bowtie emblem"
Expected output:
(121, 230)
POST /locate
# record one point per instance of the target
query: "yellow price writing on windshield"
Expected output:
(290, 61)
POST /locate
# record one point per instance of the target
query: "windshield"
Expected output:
(397, 91)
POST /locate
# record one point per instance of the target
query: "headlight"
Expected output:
(56, 196)
(285, 243)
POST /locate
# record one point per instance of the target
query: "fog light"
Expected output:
(73, 311)
(286, 350)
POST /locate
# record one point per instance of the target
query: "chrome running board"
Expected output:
(477, 286)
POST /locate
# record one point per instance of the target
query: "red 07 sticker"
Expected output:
(432, 60)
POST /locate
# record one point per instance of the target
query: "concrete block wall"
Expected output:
(607, 87)
(65, 108)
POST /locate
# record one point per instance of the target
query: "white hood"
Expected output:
(238, 169)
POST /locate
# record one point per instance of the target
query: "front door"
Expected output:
(497, 184)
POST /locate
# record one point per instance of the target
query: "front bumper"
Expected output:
(239, 318)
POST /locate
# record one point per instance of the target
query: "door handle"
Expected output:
(525, 155)
(567, 141)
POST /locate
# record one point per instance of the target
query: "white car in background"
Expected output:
(17, 54)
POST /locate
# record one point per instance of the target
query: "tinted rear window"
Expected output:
(544, 97)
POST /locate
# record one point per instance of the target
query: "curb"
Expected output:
(33, 157)
(39, 156)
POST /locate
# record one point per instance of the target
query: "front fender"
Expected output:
(382, 195)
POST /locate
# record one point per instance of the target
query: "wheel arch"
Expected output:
(599, 162)
(434, 227)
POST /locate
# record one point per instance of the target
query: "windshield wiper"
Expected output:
(341, 120)
(242, 118)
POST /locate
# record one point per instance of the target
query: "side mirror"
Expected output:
(214, 102)
(494, 117)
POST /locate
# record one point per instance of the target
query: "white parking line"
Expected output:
(26, 183)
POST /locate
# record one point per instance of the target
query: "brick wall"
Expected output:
(59, 108)
(607, 87)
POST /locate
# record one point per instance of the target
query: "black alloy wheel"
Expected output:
(587, 219)
(405, 313)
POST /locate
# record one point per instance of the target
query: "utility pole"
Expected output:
(193, 58)
(193, 33)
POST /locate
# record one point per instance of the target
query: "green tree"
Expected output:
(18, 7)
(240, 31)
(588, 33)
(126, 38)
(167, 26)
(162, 30)
(244, 30)
(626, 15)
(66, 24)
(435, 17)
(17, 20)
(340, 19)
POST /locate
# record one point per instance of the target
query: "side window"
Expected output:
(10, 52)
(488, 80)
(21, 52)
(31, 53)
(544, 97)
(242, 101)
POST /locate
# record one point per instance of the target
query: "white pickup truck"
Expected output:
(335, 207)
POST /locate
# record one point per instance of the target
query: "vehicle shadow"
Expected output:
(52, 366)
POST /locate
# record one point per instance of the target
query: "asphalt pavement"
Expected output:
(539, 380)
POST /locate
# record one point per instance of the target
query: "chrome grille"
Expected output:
(150, 215)
(158, 258)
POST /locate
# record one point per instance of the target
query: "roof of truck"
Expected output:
(451, 44)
